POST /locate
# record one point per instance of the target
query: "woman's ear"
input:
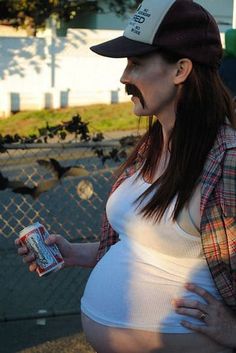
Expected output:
(183, 69)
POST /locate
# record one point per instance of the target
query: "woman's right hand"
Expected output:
(64, 246)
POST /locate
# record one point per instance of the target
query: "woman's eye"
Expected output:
(135, 63)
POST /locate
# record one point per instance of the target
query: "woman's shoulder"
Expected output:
(228, 185)
(227, 136)
(230, 136)
(229, 162)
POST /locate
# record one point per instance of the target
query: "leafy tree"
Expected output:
(120, 7)
(33, 14)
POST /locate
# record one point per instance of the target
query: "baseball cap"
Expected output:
(182, 27)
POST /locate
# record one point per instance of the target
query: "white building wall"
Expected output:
(37, 73)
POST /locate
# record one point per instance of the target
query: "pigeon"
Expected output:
(60, 171)
(5, 183)
(36, 190)
(114, 154)
(100, 153)
(130, 140)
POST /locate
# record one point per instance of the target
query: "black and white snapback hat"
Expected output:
(182, 27)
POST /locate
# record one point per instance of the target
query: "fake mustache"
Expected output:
(134, 91)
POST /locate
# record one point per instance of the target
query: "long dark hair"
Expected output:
(202, 108)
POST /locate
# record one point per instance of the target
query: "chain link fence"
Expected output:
(69, 207)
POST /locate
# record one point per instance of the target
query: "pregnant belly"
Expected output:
(138, 295)
(106, 339)
(127, 303)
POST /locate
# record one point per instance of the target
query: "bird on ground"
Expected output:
(130, 140)
(19, 187)
(3, 149)
(114, 154)
(5, 183)
(101, 155)
(36, 190)
(60, 171)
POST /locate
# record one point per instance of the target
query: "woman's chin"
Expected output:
(139, 111)
(138, 108)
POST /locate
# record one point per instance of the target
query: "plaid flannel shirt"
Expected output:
(218, 214)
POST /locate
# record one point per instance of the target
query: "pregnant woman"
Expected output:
(164, 270)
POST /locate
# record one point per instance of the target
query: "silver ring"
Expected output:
(203, 316)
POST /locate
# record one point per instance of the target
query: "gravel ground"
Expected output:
(58, 335)
(71, 344)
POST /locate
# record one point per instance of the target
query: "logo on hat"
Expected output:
(148, 15)
(138, 18)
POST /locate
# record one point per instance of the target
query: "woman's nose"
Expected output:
(124, 77)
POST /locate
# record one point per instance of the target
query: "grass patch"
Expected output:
(101, 117)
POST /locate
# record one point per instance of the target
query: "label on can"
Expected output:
(48, 257)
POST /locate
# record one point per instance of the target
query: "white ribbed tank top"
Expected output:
(133, 285)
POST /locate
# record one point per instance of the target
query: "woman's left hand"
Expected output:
(220, 321)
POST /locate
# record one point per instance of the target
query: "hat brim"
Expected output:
(122, 47)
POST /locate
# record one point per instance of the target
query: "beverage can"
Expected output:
(48, 257)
